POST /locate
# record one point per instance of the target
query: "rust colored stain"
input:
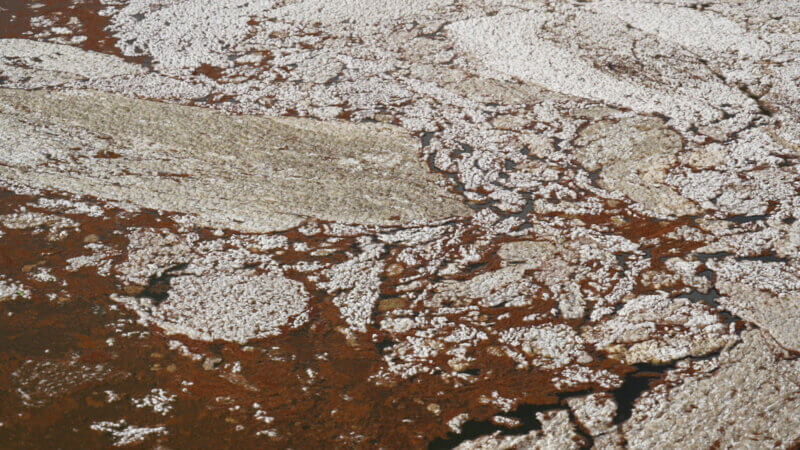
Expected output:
(274, 372)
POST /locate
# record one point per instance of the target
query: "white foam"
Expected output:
(509, 45)
(685, 26)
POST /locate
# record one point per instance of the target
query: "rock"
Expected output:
(557, 433)
(458, 364)
(133, 289)
(657, 329)
(235, 307)
(595, 412)
(389, 304)
(331, 171)
(434, 408)
(633, 157)
(394, 270)
(764, 293)
(211, 362)
(717, 403)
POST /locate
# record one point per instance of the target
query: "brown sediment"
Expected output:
(215, 73)
(274, 372)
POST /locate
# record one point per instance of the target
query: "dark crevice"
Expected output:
(711, 300)
(382, 345)
(708, 274)
(747, 219)
(459, 187)
(427, 137)
(465, 149)
(635, 385)
(475, 267)
(581, 431)
(699, 6)
(787, 161)
(704, 257)
(769, 257)
(763, 107)
(158, 285)
(647, 377)
(333, 79)
(622, 259)
(435, 33)
(594, 176)
(525, 414)
(523, 214)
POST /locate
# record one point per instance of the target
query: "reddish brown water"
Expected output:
(56, 362)
(70, 333)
